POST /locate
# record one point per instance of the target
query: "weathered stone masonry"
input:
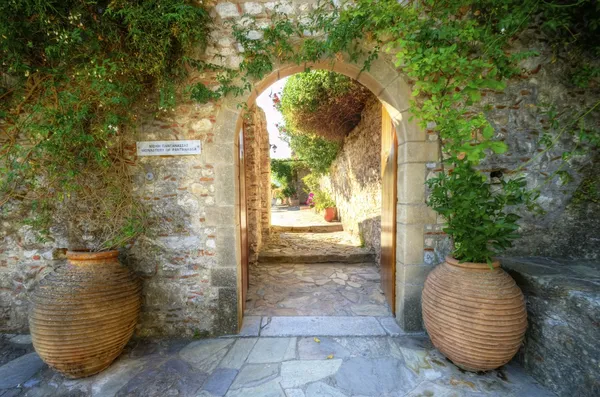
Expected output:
(258, 179)
(355, 179)
(191, 268)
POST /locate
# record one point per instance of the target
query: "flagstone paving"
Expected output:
(335, 289)
(281, 367)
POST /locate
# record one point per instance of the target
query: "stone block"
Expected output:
(226, 247)
(223, 277)
(411, 183)
(220, 215)
(412, 274)
(415, 214)
(280, 7)
(410, 244)
(225, 184)
(226, 126)
(418, 152)
(408, 307)
(226, 318)
(252, 8)
(227, 10)
(219, 153)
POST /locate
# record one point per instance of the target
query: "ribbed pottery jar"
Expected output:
(474, 315)
(83, 315)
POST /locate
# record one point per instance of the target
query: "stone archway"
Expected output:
(417, 156)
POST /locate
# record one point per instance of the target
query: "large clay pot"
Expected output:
(330, 214)
(474, 315)
(83, 315)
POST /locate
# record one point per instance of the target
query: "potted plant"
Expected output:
(323, 202)
(74, 77)
(83, 314)
(472, 309)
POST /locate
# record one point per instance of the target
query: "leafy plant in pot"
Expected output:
(472, 309)
(72, 76)
(324, 202)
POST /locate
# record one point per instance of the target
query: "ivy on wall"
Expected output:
(72, 76)
(452, 51)
(322, 103)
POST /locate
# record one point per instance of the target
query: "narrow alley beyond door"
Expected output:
(309, 267)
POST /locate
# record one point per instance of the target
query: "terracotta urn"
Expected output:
(330, 214)
(82, 315)
(475, 315)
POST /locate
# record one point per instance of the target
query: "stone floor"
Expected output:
(269, 367)
(314, 274)
(317, 289)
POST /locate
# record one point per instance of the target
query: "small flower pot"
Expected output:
(330, 214)
(475, 315)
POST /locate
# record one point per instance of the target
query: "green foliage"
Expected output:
(317, 153)
(454, 52)
(284, 171)
(322, 103)
(475, 211)
(322, 200)
(312, 182)
(73, 74)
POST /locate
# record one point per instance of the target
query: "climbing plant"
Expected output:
(284, 171)
(73, 76)
(453, 52)
(316, 152)
(322, 103)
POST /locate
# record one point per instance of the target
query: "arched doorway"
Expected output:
(417, 153)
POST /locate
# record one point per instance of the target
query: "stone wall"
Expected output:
(562, 343)
(190, 265)
(258, 179)
(355, 179)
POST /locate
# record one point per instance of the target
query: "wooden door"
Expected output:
(243, 211)
(389, 171)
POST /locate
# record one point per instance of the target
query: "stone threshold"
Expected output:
(346, 326)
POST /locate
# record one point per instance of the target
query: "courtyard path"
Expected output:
(303, 366)
(303, 273)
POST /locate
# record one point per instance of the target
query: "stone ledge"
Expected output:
(323, 326)
(562, 344)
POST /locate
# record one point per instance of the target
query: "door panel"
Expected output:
(389, 170)
(243, 221)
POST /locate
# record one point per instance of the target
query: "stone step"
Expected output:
(331, 228)
(311, 257)
(290, 326)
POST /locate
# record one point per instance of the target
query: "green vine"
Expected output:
(74, 76)
(454, 52)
